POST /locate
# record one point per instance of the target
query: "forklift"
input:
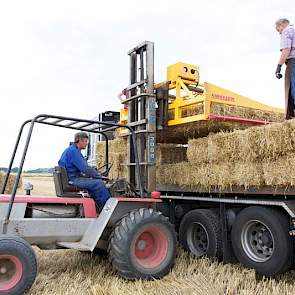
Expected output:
(139, 239)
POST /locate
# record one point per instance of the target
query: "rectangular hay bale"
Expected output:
(10, 182)
(209, 176)
(264, 143)
(280, 172)
(170, 153)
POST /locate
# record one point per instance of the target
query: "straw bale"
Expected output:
(209, 176)
(267, 143)
(225, 146)
(196, 109)
(173, 173)
(10, 182)
(197, 151)
(170, 153)
(117, 156)
(181, 133)
(264, 143)
(280, 172)
(247, 174)
(216, 148)
(247, 113)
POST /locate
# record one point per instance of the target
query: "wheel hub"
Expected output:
(197, 239)
(257, 241)
(10, 272)
(7, 270)
(3, 270)
(141, 244)
(266, 239)
(150, 248)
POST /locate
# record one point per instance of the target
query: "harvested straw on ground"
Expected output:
(71, 272)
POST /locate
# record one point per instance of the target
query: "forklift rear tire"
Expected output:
(200, 233)
(143, 245)
(18, 265)
(261, 240)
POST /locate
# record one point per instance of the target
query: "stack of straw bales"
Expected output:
(9, 183)
(257, 156)
(166, 154)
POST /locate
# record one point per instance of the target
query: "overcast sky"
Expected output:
(70, 57)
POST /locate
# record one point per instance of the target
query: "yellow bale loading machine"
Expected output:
(187, 108)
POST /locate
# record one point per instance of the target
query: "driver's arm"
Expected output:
(80, 163)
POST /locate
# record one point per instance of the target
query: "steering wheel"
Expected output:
(104, 178)
(107, 170)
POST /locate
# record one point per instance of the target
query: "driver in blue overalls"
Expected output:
(80, 173)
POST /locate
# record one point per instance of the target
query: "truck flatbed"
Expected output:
(267, 191)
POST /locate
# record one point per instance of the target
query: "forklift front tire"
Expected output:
(143, 245)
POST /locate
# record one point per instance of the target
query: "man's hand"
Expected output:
(278, 72)
(284, 55)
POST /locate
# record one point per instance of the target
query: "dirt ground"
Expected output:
(42, 184)
(70, 272)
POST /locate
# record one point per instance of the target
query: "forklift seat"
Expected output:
(62, 186)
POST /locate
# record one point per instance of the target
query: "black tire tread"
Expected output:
(118, 243)
(19, 243)
(282, 221)
(214, 220)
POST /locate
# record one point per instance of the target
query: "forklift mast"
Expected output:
(141, 103)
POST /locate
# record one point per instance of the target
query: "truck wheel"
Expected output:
(260, 239)
(143, 245)
(18, 265)
(200, 233)
(95, 252)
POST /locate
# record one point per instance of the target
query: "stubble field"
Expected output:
(70, 272)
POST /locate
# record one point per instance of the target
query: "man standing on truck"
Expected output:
(80, 173)
(287, 47)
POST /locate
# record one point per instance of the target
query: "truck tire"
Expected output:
(18, 265)
(200, 233)
(143, 245)
(95, 252)
(260, 239)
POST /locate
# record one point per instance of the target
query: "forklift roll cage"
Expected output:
(90, 126)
